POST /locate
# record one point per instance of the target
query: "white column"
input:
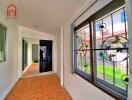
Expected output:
(62, 58)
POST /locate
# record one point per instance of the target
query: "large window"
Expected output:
(2, 42)
(101, 52)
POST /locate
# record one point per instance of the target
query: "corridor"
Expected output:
(39, 88)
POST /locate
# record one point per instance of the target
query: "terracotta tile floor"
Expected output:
(32, 70)
(39, 88)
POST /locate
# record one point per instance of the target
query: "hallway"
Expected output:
(32, 70)
(39, 88)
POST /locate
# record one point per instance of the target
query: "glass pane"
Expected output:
(99, 56)
(100, 67)
(118, 22)
(109, 74)
(87, 36)
(107, 31)
(121, 69)
(82, 42)
(121, 29)
(2, 43)
(112, 48)
(87, 44)
(79, 38)
(98, 35)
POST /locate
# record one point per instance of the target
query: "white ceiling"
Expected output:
(48, 15)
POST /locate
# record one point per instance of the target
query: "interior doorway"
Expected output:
(24, 54)
(30, 55)
(36, 56)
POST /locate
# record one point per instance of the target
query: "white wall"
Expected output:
(8, 69)
(129, 12)
(58, 39)
(29, 53)
(33, 34)
(79, 88)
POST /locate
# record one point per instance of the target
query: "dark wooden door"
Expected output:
(45, 56)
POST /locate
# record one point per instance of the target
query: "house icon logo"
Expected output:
(11, 11)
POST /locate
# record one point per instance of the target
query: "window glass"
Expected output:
(107, 31)
(104, 55)
(118, 22)
(82, 52)
(2, 42)
(99, 35)
(112, 49)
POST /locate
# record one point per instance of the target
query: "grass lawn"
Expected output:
(109, 75)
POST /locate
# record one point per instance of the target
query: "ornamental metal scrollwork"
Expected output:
(82, 50)
(115, 49)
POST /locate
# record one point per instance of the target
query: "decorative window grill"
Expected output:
(101, 57)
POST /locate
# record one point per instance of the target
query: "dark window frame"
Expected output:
(92, 78)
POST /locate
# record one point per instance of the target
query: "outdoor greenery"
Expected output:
(108, 74)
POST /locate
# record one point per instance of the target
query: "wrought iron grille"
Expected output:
(82, 49)
(109, 49)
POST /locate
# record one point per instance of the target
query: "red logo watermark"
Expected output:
(11, 11)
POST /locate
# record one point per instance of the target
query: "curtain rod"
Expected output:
(85, 10)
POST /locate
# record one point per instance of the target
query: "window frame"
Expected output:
(92, 78)
(5, 43)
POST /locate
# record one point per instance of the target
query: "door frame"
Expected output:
(52, 56)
